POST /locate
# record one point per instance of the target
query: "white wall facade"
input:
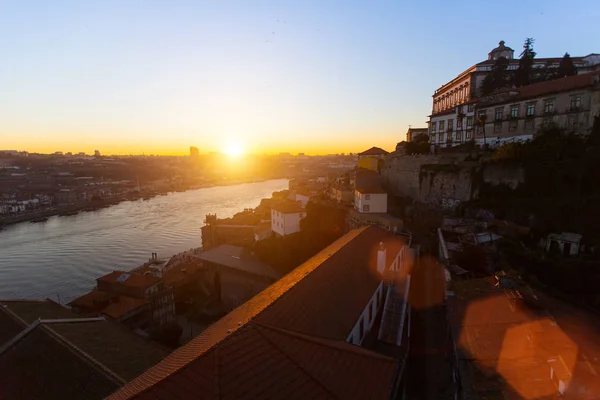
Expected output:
(286, 223)
(367, 318)
(370, 202)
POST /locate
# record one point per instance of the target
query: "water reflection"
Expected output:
(63, 256)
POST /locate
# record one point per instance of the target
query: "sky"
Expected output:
(132, 77)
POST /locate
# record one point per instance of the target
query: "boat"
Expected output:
(41, 219)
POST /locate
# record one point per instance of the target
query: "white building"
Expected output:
(453, 119)
(286, 216)
(370, 200)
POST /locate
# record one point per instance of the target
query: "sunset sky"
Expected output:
(267, 76)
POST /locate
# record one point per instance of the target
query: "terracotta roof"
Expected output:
(130, 279)
(543, 88)
(288, 207)
(373, 151)
(257, 362)
(122, 305)
(89, 299)
(110, 345)
(41, 367)
(371, 190)
(267, 346)
(181, 273)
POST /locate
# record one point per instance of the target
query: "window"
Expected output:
(549, 107)
(514, 111)
(470, 108)
(367, 197)
(433, 126)
(513, 125)
(366, 208)
(458, 136)
(497, 127)
(498, 114)
(469, 133)
(531, 110)
(575, 102)
(469, 122)
(450, 125)
(459, 123)
(442, 126)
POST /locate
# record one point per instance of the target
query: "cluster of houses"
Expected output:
(461, 113)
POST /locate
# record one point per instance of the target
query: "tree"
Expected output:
(418, 146)
(524, 72)
(498, 78)
(481, 120)
(566, 67)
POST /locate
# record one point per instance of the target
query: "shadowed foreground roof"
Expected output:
(289, 341)
(67, 359)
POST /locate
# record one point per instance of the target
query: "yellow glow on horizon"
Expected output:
(234, 148)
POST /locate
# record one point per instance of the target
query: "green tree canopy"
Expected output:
(566, 67)
(524, 72)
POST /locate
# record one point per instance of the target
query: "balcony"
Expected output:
(574, 109)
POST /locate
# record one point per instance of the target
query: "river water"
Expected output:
(62, 257)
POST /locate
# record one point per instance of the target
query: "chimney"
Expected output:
(381, 258)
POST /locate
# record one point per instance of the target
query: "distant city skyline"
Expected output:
(314, 77)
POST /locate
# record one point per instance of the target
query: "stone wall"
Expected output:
(447, 186)
(401, 172)
(503, 174)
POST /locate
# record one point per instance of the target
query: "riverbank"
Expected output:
(41, 215)
(64, 256)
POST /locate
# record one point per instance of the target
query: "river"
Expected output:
(62, 257)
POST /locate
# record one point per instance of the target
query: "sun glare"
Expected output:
(234, 149)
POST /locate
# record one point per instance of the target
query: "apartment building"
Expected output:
(453, 119)
(347, 307)
(512, 115)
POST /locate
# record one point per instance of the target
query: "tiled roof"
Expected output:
(371, 190)
(257, 362)
(134, 279)
(181, 273)
(122, 305)
(288, 207)
(238, 258)
(41, 367)
(90, 299)
(373, 151)
(109, 347)
(114, 346)
(261, 349)
(543, 88)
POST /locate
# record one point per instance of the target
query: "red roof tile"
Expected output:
(288, 207)
(134, 279)
(544, 88)
(371, 190)
(373, 151)
(258, 361)
(266, 348)
(122, 306)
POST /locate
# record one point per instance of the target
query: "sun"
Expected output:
(234, 149)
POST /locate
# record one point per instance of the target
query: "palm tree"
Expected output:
(481, 119)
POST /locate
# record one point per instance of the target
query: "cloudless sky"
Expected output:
(301, 76)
